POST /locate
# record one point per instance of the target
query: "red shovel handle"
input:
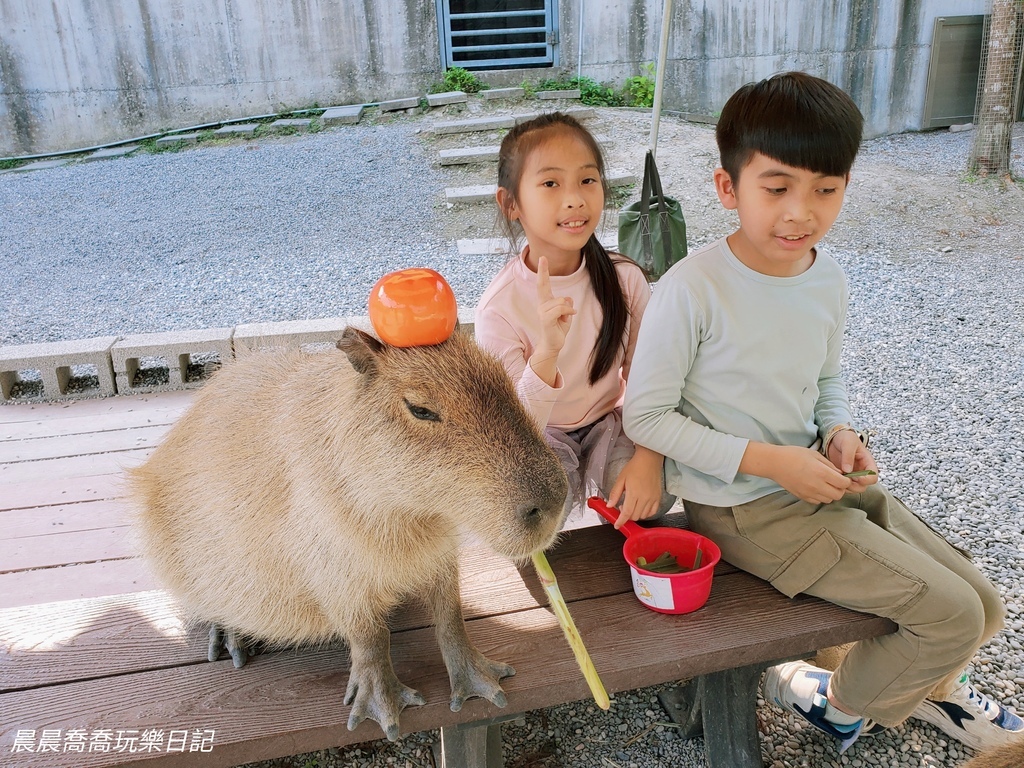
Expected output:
(629, 528)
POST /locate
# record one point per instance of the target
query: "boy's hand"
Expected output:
(848, 454)
(802, 471)
(640, 480)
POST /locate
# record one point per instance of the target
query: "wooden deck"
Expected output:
(91, 649)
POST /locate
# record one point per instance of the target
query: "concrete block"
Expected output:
(177, 138)
(961, 127)
(342, 115)
(396, 104)
(568, 94)
(109, 152)
(449, 97)
(241, 129)
(524, 117)
(467, 155)
(581, 113)
(475, 194)
(299, 124)
(53, 361)
(475, 124)
(482, 192)
(492, 246)
(178, 349)
(615, 178)
(503, 93)
(257, 337)
(40, 165)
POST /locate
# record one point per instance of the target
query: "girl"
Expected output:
(569, 353)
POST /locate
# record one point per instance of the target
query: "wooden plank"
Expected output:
(73, 466)
(63, 518)
(34, 412)
(74, 582)
(103, 422)
(68, 548)
(284, 703)
(60, 490)
(491, 585)
(39, 448)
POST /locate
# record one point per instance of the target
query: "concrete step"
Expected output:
(40, 165)
(490, 246)
(498, 123)
(502, 93)
(176, 139)
(110, 152)
(342, 115)
(299, 124)
(241, 129)
(486, 154)
(394, 105)
(449, 97)
(485, 192)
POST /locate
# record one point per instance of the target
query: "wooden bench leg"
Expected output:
(728, 703)
(473, 746)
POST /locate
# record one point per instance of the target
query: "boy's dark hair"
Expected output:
(794, 118)
(515, 148)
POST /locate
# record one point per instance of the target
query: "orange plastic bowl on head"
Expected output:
(413, 307)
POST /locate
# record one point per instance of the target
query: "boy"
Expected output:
(736, 380)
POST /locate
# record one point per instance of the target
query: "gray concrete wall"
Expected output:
(83, 72)
(877, 50)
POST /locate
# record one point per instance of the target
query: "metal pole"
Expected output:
(659, 83)
(579, 55)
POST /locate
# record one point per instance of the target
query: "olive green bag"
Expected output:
(652, 231)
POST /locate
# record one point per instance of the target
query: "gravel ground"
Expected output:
(300, 227)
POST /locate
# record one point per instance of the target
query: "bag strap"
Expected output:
(652, 185)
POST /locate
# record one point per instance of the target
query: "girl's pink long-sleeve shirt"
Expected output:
(507, 325)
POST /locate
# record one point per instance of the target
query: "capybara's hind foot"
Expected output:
(229, 640)
(377, 695)
(477, 675)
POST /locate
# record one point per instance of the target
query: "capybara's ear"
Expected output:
(361, 348)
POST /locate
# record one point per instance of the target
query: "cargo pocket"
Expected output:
(808, 564)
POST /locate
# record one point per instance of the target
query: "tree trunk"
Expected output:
(990, 155)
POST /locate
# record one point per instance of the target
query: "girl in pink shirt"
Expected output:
(563, 316)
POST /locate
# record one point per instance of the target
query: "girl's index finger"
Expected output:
(544, 292)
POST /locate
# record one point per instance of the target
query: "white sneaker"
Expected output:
(800, 687)
(971, 717)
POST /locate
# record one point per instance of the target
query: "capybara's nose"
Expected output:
(530, 514)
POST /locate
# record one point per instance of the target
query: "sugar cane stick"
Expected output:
(550, 584)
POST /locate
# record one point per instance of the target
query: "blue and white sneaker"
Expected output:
(800, 687)
(971, 717)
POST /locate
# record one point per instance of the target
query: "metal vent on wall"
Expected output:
(498, 34)
(953, 71)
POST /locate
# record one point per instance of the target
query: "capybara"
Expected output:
(1006, 756)
(305, 495)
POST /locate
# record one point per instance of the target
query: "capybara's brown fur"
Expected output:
(304, 496)
(1006, 756)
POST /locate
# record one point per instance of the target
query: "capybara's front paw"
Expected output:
(230, 641)
(378, 696)
(478, 676)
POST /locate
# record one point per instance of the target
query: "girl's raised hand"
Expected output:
(555, 313)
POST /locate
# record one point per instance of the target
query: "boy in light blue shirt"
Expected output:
(736, 380)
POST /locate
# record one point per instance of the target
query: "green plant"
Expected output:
(11, 163)
(639, 90)
(458, 79)
(592, 93)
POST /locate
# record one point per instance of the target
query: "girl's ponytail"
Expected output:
(615, 312)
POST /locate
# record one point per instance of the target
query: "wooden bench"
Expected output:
(91, 645)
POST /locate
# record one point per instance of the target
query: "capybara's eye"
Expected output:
(424, 414)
